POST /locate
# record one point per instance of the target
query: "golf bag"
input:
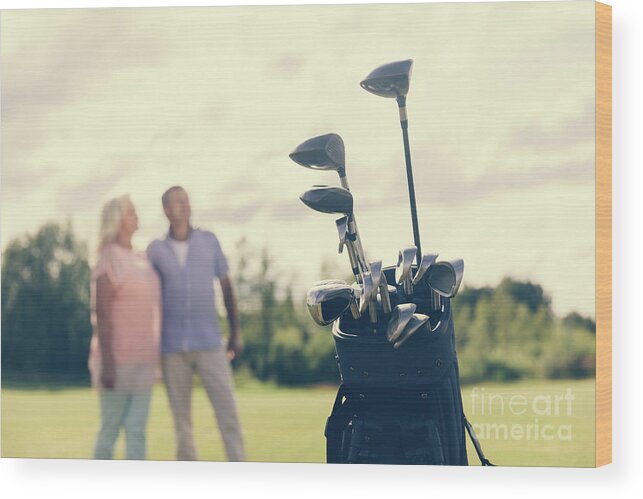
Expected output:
(398, 406)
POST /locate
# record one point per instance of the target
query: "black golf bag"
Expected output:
(398, 406)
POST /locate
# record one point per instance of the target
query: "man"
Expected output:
(188, 260)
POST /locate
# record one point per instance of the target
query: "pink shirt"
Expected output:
(135, 315)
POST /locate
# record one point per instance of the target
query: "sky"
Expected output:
(97, 103)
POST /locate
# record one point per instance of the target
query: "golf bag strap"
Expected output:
(335, 426)
(476, 443)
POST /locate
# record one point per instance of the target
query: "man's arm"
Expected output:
(234, 341)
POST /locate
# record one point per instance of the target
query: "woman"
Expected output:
(125, 346)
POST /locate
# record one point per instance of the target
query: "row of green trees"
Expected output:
(503, 333)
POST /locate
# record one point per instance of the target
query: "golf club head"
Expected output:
(389, 80)
(325, 152)
(366, 292)
(342, 232)
(445, 277)
(327, 199)
(428, 259)
(376, 273)
(325, 282)
(400, 317)
(416, 322)
(404, 262)
(328, 302)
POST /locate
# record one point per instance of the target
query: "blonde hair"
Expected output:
(110, 220)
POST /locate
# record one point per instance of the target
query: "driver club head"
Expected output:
(416, 322)
(389, 80)
(404, 262)
(326, 199)
(327, 302)
(400, 317)
(445, 277)
(428, 259)
(325, 152)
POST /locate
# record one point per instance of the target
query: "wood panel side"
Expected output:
(603, 234)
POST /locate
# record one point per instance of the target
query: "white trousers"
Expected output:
(123, 410)
(214, 370)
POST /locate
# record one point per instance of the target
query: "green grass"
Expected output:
(287, 425)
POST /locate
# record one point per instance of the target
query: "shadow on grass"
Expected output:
(16, 381)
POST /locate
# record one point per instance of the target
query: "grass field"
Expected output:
(532, 423)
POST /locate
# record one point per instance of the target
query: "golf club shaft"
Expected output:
(355, 310)
(342, 179)
(384, 294)
(404, 123)
(359, 251)
(353, 259)
(353, 229)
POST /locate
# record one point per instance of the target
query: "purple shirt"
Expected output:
(190, 319)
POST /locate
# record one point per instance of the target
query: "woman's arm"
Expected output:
(105, 294)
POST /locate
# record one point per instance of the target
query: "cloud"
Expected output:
(286, 65)
(577, 128)
(87, 193)
(73, 53)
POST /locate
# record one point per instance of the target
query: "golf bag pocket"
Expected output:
(383, 439)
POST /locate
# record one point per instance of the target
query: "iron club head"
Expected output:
(342, 232)
(404, 262)
(379, 282)
(402, 314)
(445, 277)
(416, 322)
(427, 260)
(325, 282)
(366, 292)
(376, 274)
(327, 302)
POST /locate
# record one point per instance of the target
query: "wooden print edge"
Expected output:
(603, 234)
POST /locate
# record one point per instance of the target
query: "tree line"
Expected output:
(506, 332)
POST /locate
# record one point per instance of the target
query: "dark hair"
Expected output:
(165, 198)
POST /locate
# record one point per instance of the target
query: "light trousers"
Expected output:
(213, 368)
(123, 410)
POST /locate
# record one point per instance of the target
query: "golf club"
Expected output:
(366, 297)
(329, 281)
(416, 322)
(403, 274)
(445, 277)
(392, 81)
(327, 153)
(327, 199)
(345, 240)
(427, 260)
(327, 302)
(400, 317)
(379, 281)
